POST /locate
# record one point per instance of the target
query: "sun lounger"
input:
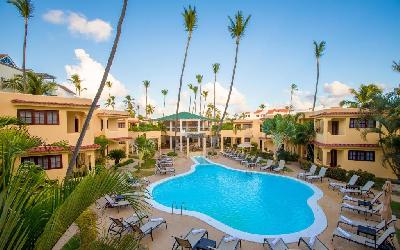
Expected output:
(310, 172)
(275, 244)
(338, 185)
(366, 189)
(228, 242)
(370, 224)
(252, 163)
(361, 209)
(190, 239)
(280, 167)
(368, 242)
(312, 243)
(164, 170)
(112, 203)
(246, 159)
(148, 227)
(118, 226)
(267, 166)
(320, 175)
(363, 202)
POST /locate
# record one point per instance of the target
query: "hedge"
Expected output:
(124, 163)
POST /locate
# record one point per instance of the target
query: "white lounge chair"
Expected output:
(112, 203)
(280, 167)
(190, 239)
(267, 166)
(228, 242)
(118, 226)
(368, 242)
(275, 244)
(310, 172)
(148, 227)
(370, 224)
(338, 185)
(363, 202)
(364, 190)
(320, 175)
(312, 243)
(362, 209)
(164, 170)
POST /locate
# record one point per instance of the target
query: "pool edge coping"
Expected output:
(317, 227)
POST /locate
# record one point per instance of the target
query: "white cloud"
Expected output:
(95, 29)
(336, 89)
(91, 72)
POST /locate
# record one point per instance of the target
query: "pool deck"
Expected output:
(179, 225)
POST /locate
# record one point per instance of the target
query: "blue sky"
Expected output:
(362, 39)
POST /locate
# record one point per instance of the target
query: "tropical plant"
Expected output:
(99, 91)
(195, 89)
(25, 9)
(164, 92)
(215, 67)
(130, 105)
(363, 97)
(319, 49)
(293, 88)
(210, 111)
(103, 142)
(146, 84)
(190, 23)
(262, 106)
(146, 149)
(35, 84)
(110, 102)
(190, 86)
(150, 109)
(396, 66)
(204, 94)
(236, 27)
(199, 80)
(116, 155)
(109, 85)
(77, 82)
(15, 84)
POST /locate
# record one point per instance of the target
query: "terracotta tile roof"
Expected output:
(346, 145)
(120, 138)
(258, 111)
(45, 149)
(271, 111)
(341, 113)
(106, 112)
(67, 104)
(3, 55)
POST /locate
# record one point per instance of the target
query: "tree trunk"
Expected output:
(230, 91)
(146, 102)
(180, 85)
(24, 56)
(200, 100)
(214, 138)
(190, 102)
(316, 86)
(164, 107)
(72, 162)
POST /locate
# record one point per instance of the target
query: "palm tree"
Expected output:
(25, 9)
(237, 29)
(215, 67)
(99, 91)
(150, 109)
(363, 97)
(76, 81)
(146, 84)
(109, 86)
(190, 86)
(396, 66)
(164, 92)
(293, 88)
(262, 106)
(199, 80)
(195, 89)
(319, 49)
(205, 95)
(129, 102)
(110, 102)
(190, 23)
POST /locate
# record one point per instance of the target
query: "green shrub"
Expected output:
(212, 153)
(337, 173)
(116, 155)
(172, 154)
(287, 156)
(87, 228)
(144, 127)
(266, 155)
(124, 163)
(225, 126)
(363, 176)
(73, 243)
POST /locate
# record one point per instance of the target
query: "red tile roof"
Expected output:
(46, 149)
(335, 113)
(346, 145)
(120, 138)
(68, 104)
(3, 55)
(271, 111)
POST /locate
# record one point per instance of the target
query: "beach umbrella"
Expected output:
(386, 212)
(245, 145)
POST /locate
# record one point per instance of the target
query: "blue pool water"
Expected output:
(250, 202)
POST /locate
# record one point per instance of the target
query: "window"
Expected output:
(121, 124)
(246, 139)
(38, 117)
(357, 155)
(362, 123)
(45, 161)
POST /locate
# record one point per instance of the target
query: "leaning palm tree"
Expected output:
(77, 82)
(164, 92)
(199, 80)
(99, 91)
(319, 49)
(146, 84)
(190, 23)
(293, 88)
(25, 9)
(190, 86)
(195, 89)
(236, 27)
(205, 95)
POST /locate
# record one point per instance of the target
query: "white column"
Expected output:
(187, 146)
(180, 136)
(170, 142)
(222, 143)
(204, 146)
(262, 146)
(198, 125)
(170, 126)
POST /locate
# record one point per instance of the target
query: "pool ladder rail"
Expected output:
(176, 207)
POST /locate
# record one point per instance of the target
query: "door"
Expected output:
(335, 127)
(76, 125)
(333, 158)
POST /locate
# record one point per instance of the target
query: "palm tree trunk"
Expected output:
(195, 103)
(180, 84)
(146, 102)
(164, 107)
(291, 101)
(316, 86)
(230, 91)
(190, 102)
(24, 55)
(215, 80)
(200, 101)
(72, 162)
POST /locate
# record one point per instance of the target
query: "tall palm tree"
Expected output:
(164, 92)
(110, 102)
(236, 27)
(146, 84)
(190, 86)
(205, 95)
(150, 109)
(199, 80)
(77, 82)
(99, 91)
(319, 49)
(195, 89)
(25, 9)
(129, 102)
(109, 86)
(215, 67)
(262, 106)
(293, 88)
(190, 23)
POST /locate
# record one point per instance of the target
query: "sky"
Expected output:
(71, 36)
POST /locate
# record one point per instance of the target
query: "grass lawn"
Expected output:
(146, 169)
(396, 211)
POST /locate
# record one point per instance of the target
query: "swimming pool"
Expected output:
(246, 204)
